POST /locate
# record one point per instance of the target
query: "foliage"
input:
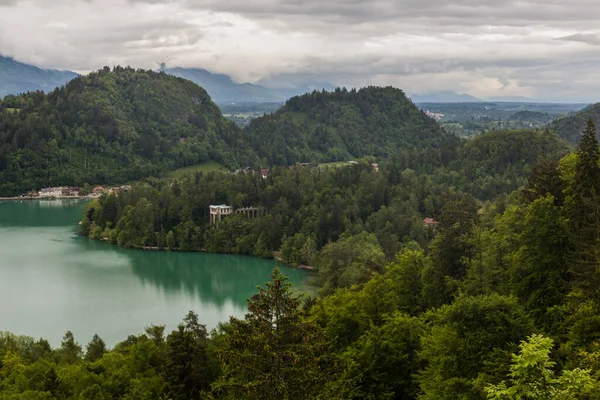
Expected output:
(571, 126)
(532, 376)
(109, 127)
(340, 125)
(470, 342)
(273, 353)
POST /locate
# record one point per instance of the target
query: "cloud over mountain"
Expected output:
(503, 48)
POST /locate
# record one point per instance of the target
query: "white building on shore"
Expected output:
(61, 191)
(216, 212)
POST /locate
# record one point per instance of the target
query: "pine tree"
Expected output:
(545, 179)
(188, 371)
(273, 353)
(584, 213)
(95, 349)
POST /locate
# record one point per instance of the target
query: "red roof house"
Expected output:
(430, 222)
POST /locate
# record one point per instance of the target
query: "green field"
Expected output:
(209, 166)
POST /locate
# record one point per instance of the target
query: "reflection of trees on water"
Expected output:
(214, 278)
(41, 212)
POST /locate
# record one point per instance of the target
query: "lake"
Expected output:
(53, 280)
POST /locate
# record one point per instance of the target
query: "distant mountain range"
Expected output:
(17, 77)
(453, 97)
(222, 89)
(444, 97)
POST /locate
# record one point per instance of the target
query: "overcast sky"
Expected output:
(547, 49)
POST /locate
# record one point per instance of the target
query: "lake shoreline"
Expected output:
(275, 258)
(49, 198)
(65, 281)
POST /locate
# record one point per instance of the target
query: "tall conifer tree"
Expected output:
(584, 213)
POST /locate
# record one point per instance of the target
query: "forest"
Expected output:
(121, 125)
(499, 301)
(495, 298)
(110, 126)
(342, 125)
(570, 126)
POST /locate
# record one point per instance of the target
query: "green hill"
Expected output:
(17, 77)
(340, 125)
(110, 126)
(571, 126)
(494, 152)
(534, 118)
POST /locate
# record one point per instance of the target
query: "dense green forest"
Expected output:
(309, 208)
(571, 126)
(500, 301)
(113, 126)
(341, 125)
(110, 127)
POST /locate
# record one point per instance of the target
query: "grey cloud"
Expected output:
(451, 44)
(458, 12)
(583, 38)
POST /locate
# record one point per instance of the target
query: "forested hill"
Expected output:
(17, 77)
(571, 126)
(110, 126)
(339, 125)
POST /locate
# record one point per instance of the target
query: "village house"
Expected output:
(264, 173)
(375, 167)
(98, 190)
(430, 222)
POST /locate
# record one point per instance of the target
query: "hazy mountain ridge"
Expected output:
(444, 97)
(17, 77)
(223, 89)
